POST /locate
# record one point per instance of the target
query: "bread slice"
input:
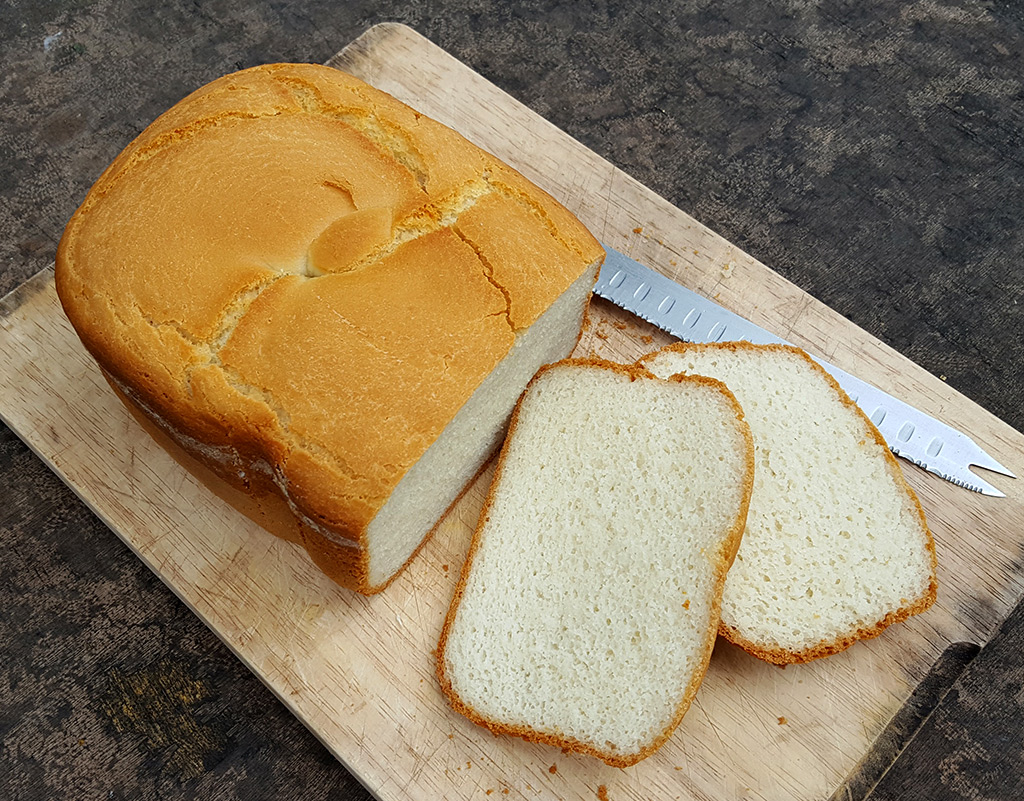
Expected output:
(326, 301)
(587, 608)
(836, 546)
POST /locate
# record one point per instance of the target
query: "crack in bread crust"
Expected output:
(489, 274)
(389, 138)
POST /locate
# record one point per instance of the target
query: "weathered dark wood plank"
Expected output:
(972, 745)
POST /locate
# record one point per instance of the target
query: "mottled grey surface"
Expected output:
(869, 151)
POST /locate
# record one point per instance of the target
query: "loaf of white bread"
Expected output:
(836, 546)
(324, 303)
(588, 605)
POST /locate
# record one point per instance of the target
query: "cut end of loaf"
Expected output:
(588, 606)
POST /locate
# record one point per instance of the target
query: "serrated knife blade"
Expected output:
(909, 432)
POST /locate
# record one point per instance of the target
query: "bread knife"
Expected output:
(909, 433)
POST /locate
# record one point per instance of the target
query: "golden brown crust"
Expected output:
(911, 607)
(295, 266)
(727, 554)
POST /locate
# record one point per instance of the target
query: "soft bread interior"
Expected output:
(836, 546)
(589, 609)
(473, 435)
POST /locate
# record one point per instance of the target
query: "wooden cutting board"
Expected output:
(359, 672)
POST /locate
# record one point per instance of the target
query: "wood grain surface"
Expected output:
(359, 671)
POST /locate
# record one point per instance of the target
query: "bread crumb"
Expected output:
(679, 767)
(553, 769)
(647, 339)
(727, 271)
(686, 604)
(638, 230)
(505, 791)
(782, 721)
(489, 791)
(602, 793)
(444, 568)
(696, 253)
(673, 262)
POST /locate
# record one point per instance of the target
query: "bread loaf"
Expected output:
(836, 546)
(325, 303)
(588, 606)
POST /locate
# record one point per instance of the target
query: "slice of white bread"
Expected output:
(836, 547)
(588, 605)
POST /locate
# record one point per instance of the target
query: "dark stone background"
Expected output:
(869, 151)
